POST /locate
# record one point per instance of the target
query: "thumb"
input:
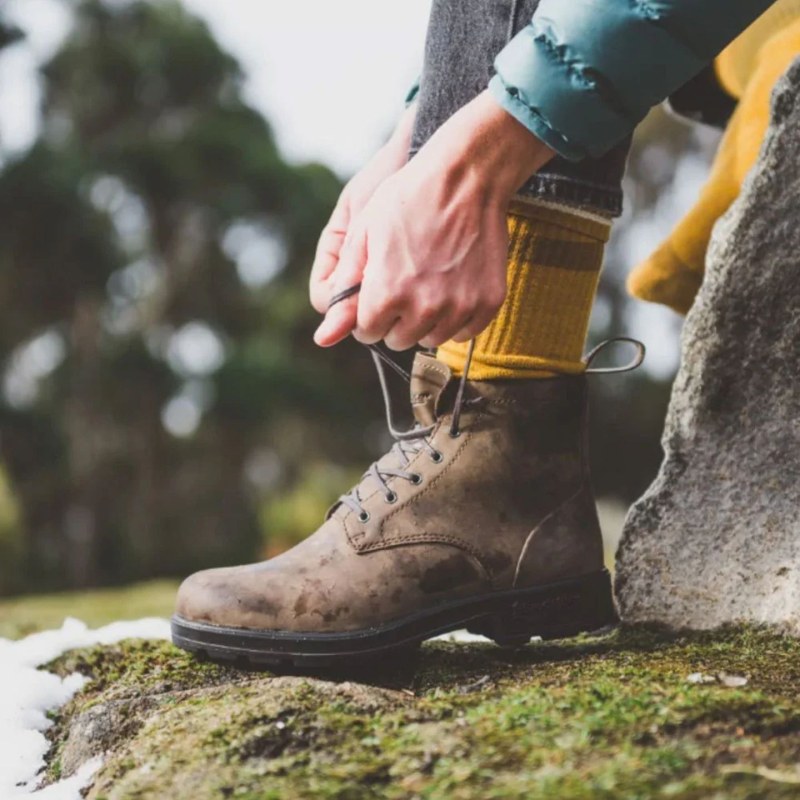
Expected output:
(340, 319)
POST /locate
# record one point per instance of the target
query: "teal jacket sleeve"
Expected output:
(584, 73)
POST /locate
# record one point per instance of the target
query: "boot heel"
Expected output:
(551, 612)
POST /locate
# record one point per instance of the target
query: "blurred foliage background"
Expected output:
(163, 407)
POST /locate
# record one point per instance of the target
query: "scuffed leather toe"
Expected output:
(208, 596)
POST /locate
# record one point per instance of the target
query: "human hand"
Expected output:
(430, 246)
(354, 197)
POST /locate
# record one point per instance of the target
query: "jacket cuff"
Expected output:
(544, 91)
(590, 70)
(510, 101)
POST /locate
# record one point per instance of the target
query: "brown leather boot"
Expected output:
(482, 516)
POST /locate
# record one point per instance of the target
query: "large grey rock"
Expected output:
(716, 539)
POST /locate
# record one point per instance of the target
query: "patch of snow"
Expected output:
(700, 677)
(28, 693)
(465, 637)
(460, 636)
(70, 788)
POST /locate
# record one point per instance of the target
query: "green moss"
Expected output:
(140, 667)
(611, 717)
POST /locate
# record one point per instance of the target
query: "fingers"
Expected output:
(378, 312)
(445, 330)
(414, 326)
(474, 326)
(484, 313)
(327, 256)
(428, 324)
(407, 332)
(340, 320)
(338, 323)
(378, 329)
(403, 320)
(463, 324)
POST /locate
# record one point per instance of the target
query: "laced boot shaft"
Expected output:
(517, 458)
(408, 444)
(481, 516)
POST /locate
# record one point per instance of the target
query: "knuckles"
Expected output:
(427, 311)
(416, 308)
(370, 315)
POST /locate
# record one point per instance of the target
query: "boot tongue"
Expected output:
(429, 376)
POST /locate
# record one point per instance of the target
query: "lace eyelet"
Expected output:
(363, 516)
(455, 434)
(416, 478)
(390, 497)
(437, 457)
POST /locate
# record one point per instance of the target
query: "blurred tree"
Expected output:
(627, 415)
(162, 400)
(11, 535)
(153, 247)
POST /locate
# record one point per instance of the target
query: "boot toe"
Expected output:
(206, 597)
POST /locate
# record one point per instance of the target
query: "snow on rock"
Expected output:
(28, 693)
(462, 637)
(69, 788)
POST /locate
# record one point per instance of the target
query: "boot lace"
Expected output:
(415, 440)
(408, 443)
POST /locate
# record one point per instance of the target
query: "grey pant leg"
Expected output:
(464, 36)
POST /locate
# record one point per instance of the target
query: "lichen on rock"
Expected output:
(716, 539)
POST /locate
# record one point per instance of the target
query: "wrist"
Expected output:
(497, 151)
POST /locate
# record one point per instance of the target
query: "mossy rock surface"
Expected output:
(615, 717)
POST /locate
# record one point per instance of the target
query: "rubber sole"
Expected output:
(511, 619)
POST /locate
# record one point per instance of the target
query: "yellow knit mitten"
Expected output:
(748, 69)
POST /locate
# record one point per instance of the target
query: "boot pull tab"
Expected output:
(637, 361)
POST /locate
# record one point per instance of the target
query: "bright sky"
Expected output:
(330, 76)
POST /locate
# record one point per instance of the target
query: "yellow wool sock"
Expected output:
(554, 261)
(747, 69)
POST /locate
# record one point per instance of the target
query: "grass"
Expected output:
(20, 616)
